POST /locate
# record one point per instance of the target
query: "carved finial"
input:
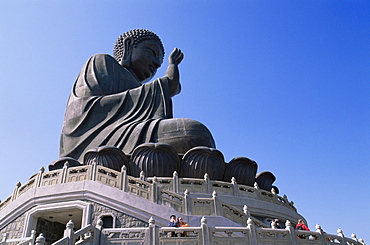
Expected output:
(94, 161)
(249, 221)
(361, 241)
(40, 239)
(206, 176)
(186, 192)
(155, 179)
(100, 222)
(124, 168)
(288, 223)
(214, 193)
(18, 184)
(339, 231)
(273, 224)
(203, 220)
(245, 209)
(42, 169)
(256, 185)
(142, 175)
(175, 174)
(233, 180)
(151, 220)
(285, 197)
(353, 235)
(318, 228)
(66, 164)
(70, 224)
(273, 191)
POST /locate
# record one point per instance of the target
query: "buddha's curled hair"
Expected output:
(138, 36)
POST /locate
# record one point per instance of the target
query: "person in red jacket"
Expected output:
(301, 226)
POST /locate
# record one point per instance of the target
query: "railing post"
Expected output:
(340, 233)
(124, 179)
(322, 234)
(64, 172)
(205, 231)
(246, 211)
(235, 187)
(216, 203)
(208, 182)
(289, 227)
(175, 182)
(33, 236)
(258, 191)
(39, 177)
(154, 190)
(68, 232)
(152, 232)
(40, 240)
(98, 237)
(15, 192)
(142, 175)
(93, 169)
(187, 202)
(251, 232)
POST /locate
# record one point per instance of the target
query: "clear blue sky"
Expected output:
(285, 83)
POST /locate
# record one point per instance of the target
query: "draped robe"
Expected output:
(109, 106)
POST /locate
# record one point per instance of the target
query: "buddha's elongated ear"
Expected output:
(128, 46)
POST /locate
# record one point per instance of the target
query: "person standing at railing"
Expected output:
(172, 223)
(275, 224)
(301, 226)
(182, 223)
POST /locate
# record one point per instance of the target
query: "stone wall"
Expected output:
(15, 228)
(122, 220)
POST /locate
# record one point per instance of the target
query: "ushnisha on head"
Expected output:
(141, 51)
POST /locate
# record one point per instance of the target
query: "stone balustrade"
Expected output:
(250, 234)
(176, 193)
(160, 190)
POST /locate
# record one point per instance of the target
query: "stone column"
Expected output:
(152, 232)
(187, 201)
(235, 187)
(68, 232)
(322, 234)
(39, 177)
(64, 172)
(175, 182)
(124, 179)
(340, 233)
(205, 231)
(207, 182)
(290, 228)
(252, 232)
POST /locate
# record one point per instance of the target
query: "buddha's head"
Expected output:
(140, 51)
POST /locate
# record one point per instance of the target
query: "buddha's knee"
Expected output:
(184, 134)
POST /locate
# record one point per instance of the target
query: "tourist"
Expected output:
(275, 224)
(182, 223)
(172, 223)
(301, 226)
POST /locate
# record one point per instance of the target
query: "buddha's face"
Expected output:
(146, 58)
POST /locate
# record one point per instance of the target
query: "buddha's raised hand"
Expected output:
(175, 57)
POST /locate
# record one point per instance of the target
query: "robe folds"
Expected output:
(109, 106)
